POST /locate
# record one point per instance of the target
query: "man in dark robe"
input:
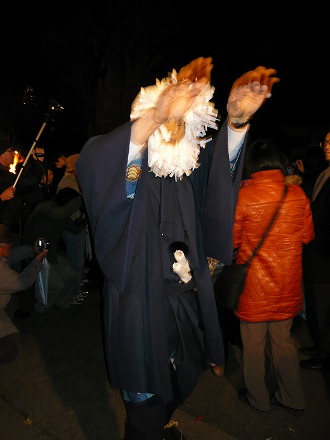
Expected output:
(161, 333)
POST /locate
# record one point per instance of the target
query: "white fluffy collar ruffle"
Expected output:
(165, 159)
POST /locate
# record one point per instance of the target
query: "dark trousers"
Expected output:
(146, 419)
(317, 301)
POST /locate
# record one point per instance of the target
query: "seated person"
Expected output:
(12, 282)
(49, 219)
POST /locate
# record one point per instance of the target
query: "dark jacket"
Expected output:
(316, 255)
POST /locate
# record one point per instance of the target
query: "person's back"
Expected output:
(278, 263)
(272, 295)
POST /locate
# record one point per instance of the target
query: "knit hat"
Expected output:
(70, 162)
(7, 237)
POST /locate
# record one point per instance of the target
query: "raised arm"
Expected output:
(248, 94)
(175, 100)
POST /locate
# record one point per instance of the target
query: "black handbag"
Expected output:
(230, 282)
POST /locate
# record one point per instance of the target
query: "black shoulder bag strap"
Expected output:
(268, 227)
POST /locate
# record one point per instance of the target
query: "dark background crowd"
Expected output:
(72, 72)
(93, 58)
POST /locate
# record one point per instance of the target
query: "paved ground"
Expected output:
(58, 389)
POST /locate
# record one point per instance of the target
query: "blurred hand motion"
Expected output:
(178, 98)
(250, 91)
(197, 70)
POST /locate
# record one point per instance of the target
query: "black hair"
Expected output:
(262, 155)
(325, 134)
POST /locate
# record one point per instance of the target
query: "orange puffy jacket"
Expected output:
(273, 289)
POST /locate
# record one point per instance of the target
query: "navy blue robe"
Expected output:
(148, 314)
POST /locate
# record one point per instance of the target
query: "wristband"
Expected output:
(237, 124)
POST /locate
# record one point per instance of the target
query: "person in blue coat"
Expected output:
(147, 214)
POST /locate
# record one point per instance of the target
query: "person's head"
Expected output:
(7, 240)
(48, 179)
(7, 150)
(71, 163)
(60, 161)
(263, 155)
(326, 146)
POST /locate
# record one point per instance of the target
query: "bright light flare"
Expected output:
(12, 167)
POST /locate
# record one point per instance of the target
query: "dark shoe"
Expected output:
(292, 411)
(242, 395)
(172, 432)
(311, 364)
(308, 351)
(217, 370)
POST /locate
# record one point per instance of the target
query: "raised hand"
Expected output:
(249, 92)
(176, 100)
(174, 97)
(197, 70)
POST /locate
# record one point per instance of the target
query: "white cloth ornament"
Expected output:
(181, 267)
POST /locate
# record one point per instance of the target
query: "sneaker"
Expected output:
(288, 409)
(172, 432)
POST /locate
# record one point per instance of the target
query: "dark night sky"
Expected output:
(297, 46)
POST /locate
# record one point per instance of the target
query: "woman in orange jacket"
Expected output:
(273, 294)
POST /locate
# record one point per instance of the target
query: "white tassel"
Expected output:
(181, 267)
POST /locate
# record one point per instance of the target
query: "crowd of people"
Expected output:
(36, 207)
(164, 218)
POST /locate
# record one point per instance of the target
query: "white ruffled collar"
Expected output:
(176, 161)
